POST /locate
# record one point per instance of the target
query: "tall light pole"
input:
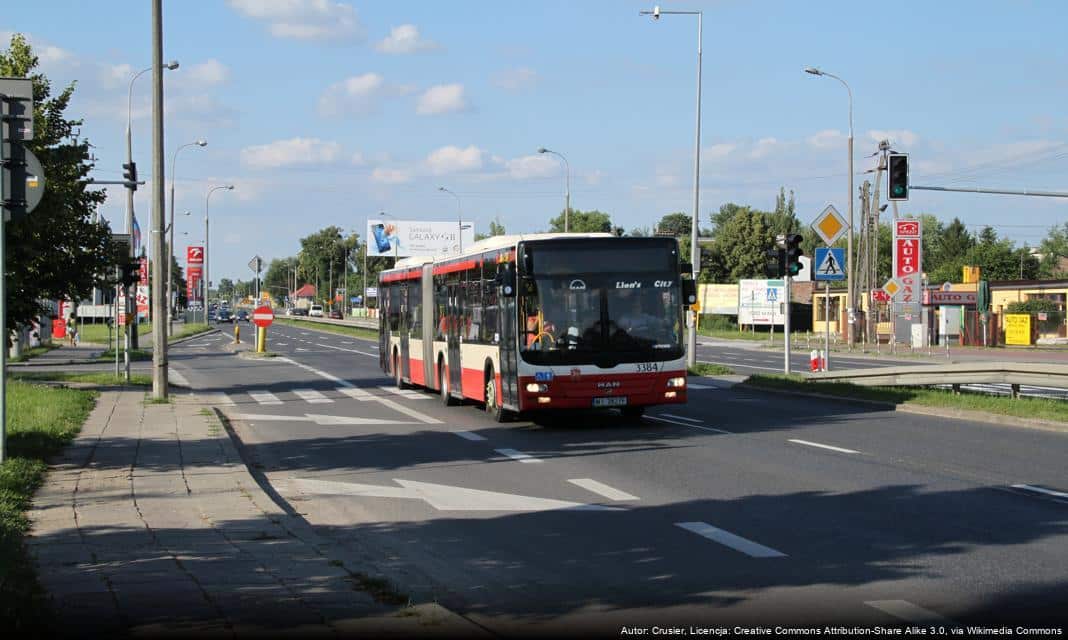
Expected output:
(849, 238)
(170, 229)
(459, 218)
(207, 281)
(567, 186)
(159, 210)
(695, 250)
(172, 65)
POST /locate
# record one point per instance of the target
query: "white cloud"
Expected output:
(763, 147)
(206, 74)
(390, 176)
(526, 167)
(896, 137)
(290, 153)
(594, 177)
(304, 19)
(405, 39)
(453, 159)
(718, 151)
(358, 95)
(515, 79)
(826, 139)
(358, 160)
(443, 98)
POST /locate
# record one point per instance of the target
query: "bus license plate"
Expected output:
(614, 401)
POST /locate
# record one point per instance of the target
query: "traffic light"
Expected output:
(898, 176)
(775, 263)
(130, 273)
(129, 174)
(793, 254)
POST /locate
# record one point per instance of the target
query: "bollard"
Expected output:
(814, 361)
(237, 334)
(261, 340)
(823, 360)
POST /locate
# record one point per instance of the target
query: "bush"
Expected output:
(1035, 305)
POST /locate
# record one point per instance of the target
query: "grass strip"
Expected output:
(136, 355)
(186, 330)
(91, 377)
(41, 421)
(33, 352)
(359, 332)
(97, 333)
(710, 369)
(1032, 408)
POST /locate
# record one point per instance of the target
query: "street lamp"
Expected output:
(207, 241)
(459, 218)
(695, 252)
(567, 186)
(170, 242)
(849, 238)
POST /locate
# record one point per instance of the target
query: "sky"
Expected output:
(327, 112)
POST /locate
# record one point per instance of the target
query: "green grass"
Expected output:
(41, 420)
(136, 355)
(1035, 408)
(359, 332)
(33, 352)
(92, 377)
(186, 330)
(98, 333)
(710, 369)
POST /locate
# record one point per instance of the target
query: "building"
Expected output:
(304, 296)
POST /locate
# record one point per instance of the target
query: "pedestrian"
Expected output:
(74, 335)
(70, 332)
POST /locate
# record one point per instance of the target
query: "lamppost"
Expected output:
(172, 65)
(459, 218)
(849, 238)
(695, 251)
(567, 186)
(207, 244)
(170, 228)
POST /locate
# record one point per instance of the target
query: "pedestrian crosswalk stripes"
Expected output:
(410, 394)
(312, 396)
(315, 396)
(264, 397)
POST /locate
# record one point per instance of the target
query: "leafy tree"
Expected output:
(996, 258)
(496, 228)
(57, 251)
(582, 222)
(678, 224)
(639, 232)
(1054, 249)
(741, 243)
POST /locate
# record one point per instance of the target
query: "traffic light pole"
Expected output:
(3, 298)
(786, 326)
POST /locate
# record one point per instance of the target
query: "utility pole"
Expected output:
(158, 307)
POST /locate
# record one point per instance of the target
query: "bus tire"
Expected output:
(633, 412)
(493, 403)
(443, 382)
(397, 375)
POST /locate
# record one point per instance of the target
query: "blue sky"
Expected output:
(326, 112)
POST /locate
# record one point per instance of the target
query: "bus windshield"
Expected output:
(615, 301)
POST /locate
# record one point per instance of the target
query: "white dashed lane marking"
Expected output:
(516, 455)
(728, 539)
(467, 435)
(823, 446)
(602, 489)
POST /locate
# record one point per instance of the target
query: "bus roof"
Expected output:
(494, 242)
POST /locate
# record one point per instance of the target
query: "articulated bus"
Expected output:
(541, 321)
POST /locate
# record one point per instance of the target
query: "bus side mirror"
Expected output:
(686, 268)
(689, 292)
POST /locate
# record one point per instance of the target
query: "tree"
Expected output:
(57, 251)
(496, 228)
(1054, 250)
(226, 288)
(741, 243)
(677, 224)
(639, 232)
(582, 222)
(996, 258)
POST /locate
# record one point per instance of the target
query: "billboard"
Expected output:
(403, 238)
(761, 301)
(908, 259)
(721, 299)
(194, 256)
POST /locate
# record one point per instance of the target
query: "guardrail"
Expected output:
(1013, 374)
(363, 323)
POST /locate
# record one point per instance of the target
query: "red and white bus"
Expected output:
(541, 321)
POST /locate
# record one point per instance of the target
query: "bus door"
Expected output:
(454, 327)
(405, 323)
(506, 327)
(383, 329)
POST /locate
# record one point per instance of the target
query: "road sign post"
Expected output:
(829, 264)
(262, 317)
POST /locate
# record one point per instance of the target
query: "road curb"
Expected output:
(194, 336)
(957, 414)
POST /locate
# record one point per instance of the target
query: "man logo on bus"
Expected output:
(577, 285)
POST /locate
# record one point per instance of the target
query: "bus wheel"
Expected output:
(443, 382)
(493, 403)
(633, 412)
(397, 377)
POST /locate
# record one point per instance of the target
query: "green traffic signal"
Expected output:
(898, 176)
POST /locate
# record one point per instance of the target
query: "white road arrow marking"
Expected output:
(317, 419)
(444, 497)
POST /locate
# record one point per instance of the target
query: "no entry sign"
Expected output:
(263, 316)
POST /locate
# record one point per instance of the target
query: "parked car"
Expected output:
(300, 311)
(316, 311)
(335, 314)
(242, 316)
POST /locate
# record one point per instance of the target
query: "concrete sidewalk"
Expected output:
(64, 354)
(150, 523)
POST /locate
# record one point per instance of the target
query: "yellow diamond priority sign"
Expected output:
(892, 287)
(830, 225)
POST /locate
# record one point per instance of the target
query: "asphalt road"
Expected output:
(737, 508)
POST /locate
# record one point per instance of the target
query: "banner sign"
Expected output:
(761, 301)
(403, 238)
(142, 301)
(908, 259)
(935, 298)
(144, 271)
(719, 299)
(192, 284)
(194, 256)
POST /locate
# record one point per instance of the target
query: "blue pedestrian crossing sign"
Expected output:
(829, 264)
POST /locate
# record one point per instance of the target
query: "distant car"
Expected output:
(335, 314)
(316, 311)
(211, 315)
(225, 316)
(242, 316)
(298, 311)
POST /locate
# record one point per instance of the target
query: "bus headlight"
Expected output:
(537, 387)
(676, 382)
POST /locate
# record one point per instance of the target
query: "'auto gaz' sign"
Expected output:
(908, 259)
